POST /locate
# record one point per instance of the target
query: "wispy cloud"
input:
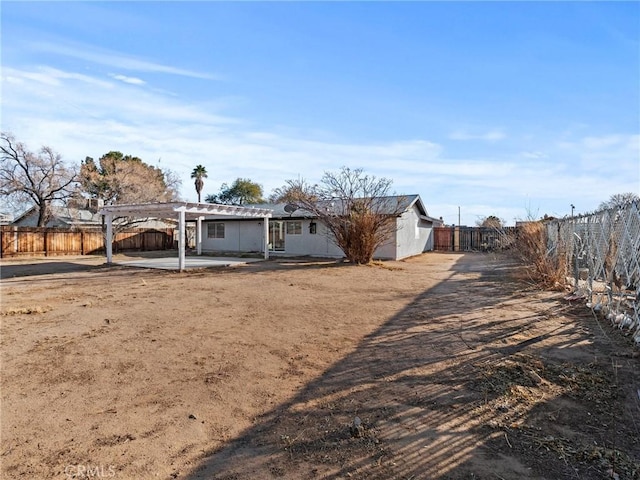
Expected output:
(81, 115)
(48, 76)
(52, 93)
(598, 143)
(535, 155)
(115, 59)
(129, 80)
(612, 155)
(490, 136)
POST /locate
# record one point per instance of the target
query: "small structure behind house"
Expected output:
(5, 218)
(83, 213)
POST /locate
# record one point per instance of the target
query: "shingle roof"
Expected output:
(65, 216)
(389, 205)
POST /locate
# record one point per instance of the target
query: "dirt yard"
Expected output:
(443, 366)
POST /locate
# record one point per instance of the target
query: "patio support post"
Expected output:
(199, 235)
(181, 242)
(265, 222)
(108, 239)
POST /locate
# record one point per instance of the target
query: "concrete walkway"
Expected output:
(171, 263)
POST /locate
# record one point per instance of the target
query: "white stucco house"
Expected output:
(296, 232)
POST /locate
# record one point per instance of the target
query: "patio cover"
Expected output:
(182, 211)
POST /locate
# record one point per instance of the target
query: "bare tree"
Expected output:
(356, 208)
(619, 200)
(35, 179)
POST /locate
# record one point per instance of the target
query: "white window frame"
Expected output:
(294, 227)
(216, 227)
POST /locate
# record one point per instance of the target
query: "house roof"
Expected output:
(6, 218)
(65, 216)
(389, 204)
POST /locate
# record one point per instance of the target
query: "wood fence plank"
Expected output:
(16, 241)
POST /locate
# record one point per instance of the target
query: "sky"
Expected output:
(513, 109)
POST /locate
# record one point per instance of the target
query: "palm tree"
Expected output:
(199, 173)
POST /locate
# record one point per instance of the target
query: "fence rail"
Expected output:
(602, 250)
(468, 239)
(17, 241)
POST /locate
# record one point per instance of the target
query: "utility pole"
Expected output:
(458, 216)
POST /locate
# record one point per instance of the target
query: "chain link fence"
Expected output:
(602, 252)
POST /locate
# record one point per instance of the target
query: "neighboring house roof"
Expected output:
(61, 217)
(67, 217)
(6, 218)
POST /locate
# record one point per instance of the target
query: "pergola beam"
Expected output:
(181, 239)
(192, 210)
(265, 223)
(199, 235)
(108, 240)
(183, 211)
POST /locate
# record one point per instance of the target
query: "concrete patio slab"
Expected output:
(171, 263)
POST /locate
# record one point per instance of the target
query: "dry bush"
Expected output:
(26, 310)
(356, 209)
(360, 232)
(545, 268)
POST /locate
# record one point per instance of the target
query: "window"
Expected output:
(313, 228)
(294, 228)
(215, 230)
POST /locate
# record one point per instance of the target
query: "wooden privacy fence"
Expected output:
(46, 241)
(468, 239)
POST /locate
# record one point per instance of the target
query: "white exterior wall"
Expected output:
(246, 236)
(416, 235)
(315, 245)
(386, 251)
(413, 237)
(239, 236)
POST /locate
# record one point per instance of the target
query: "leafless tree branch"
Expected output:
(356, 208)
(33, 179)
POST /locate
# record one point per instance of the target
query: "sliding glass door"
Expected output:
(276, 235)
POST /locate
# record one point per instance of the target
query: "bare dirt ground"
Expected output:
(443, 366)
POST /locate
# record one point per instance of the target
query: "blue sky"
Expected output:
(513, 109)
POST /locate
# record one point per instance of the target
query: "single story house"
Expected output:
(296, 232)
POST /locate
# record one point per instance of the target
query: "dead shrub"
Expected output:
(26, 310)
(546, 268)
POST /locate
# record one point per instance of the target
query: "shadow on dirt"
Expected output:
(56, 267)
(44, 268)
(422, 397)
